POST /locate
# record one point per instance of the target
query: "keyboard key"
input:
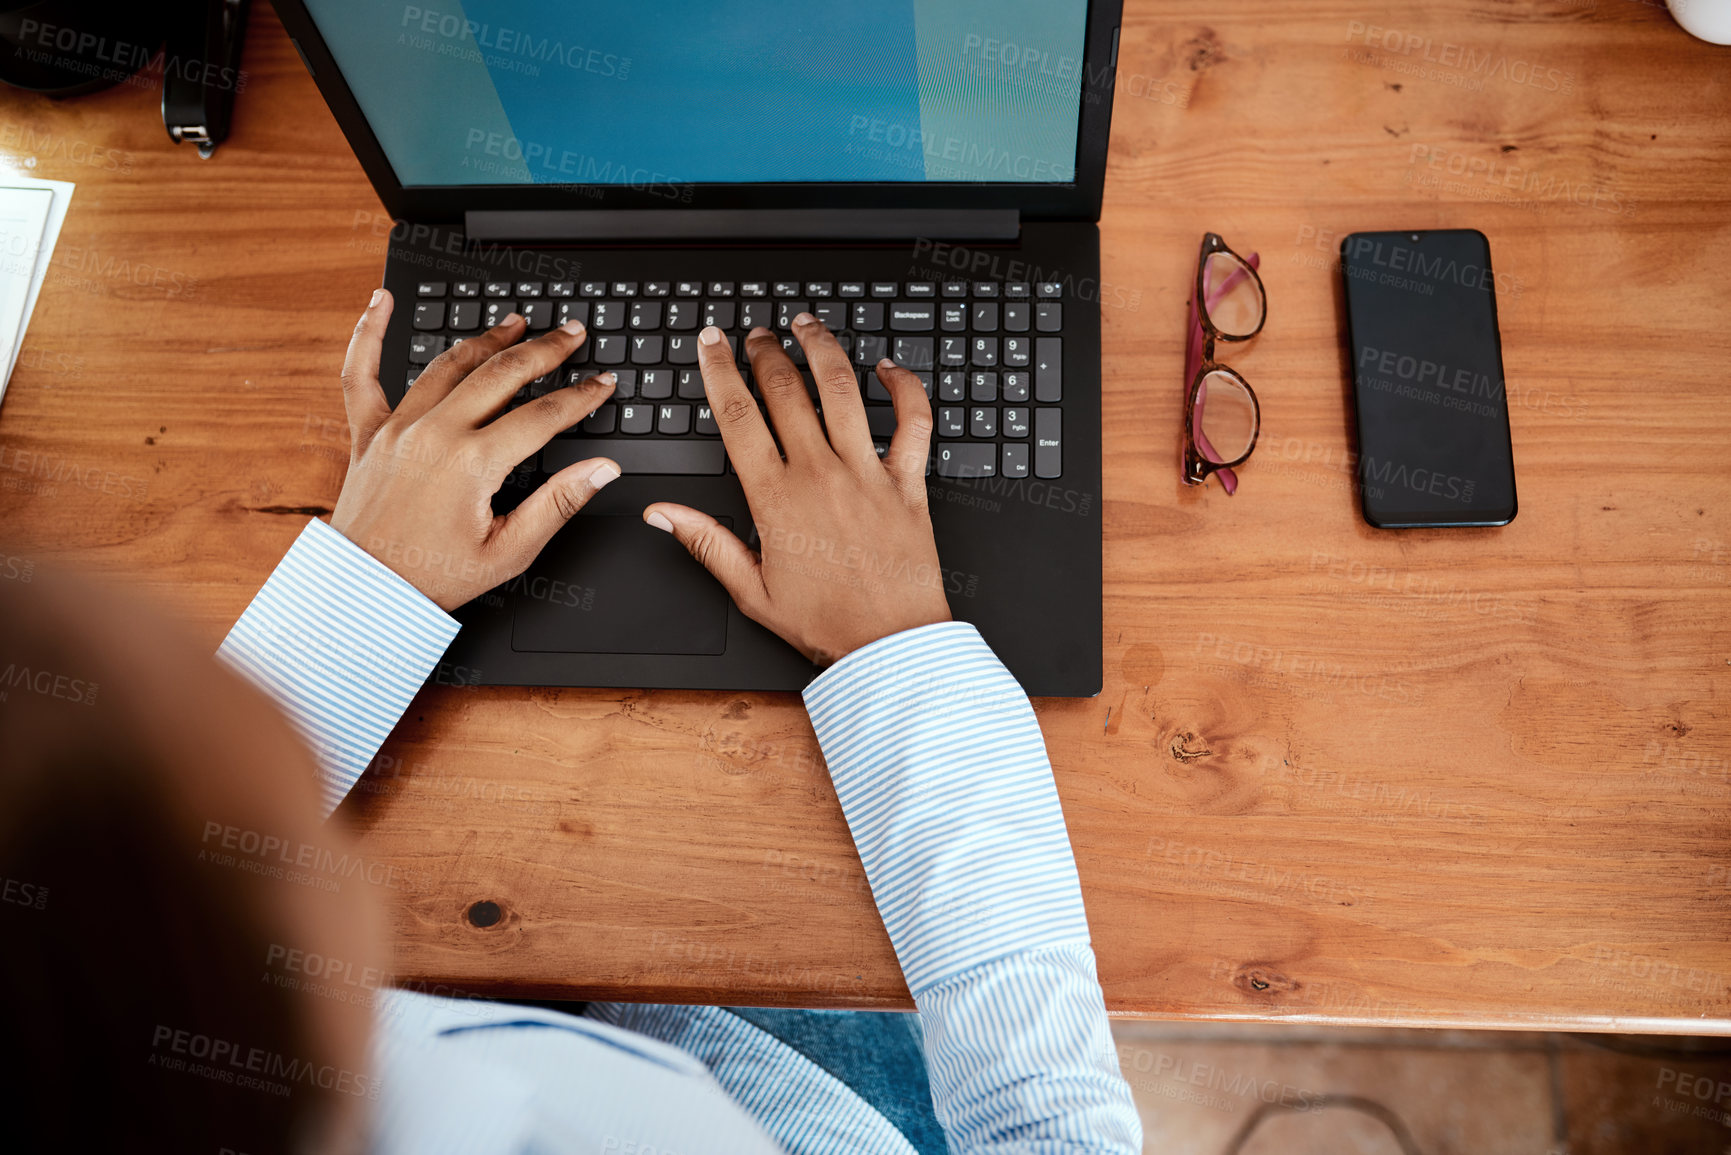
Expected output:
(624, 288)
(610, 348)
(466, 289)
(794, 350)
(985, 351)
(1015, 460)
(690, 384)
(754, 288)
(986, 317)
(953, 351)
(1049, 290)
(787, 288)
(657, 384)
(754, 315)
(1016, 387)
(984, 422)
(721, 288)
(574, 311)
(657, 288)
(634, 419)
(562, 289)
(603, 420)
(953, 387)
(985, 288)
(498, 288)
(682, 316)
(868, 316)
(881, 420)
(539, 314)
(430, 315)
(955, 288)
(885, 288)
(1048, 371)
(912, 317)
(874, 387)
(430, 289)
(593, 288)
(819, 289)
(581, 354)
(497, 311)
(982, 387)
(529, 288)
(1049, 317)
(851, 289)
(922, 289)
(1018, 289)
(833, 314)
(414, 374)
(682, 349)
(1016, 316)
(967, 459)
(465, 315)
(1016, 352)
(625, 384)
(913, 352)
(645, 350)
(679, 455)
(609, 316)
(953, 317)
(719, 313)
(704, 424)
(952, 422)
(1048, 442)
(688, 288)
(786, 311)
(1016, 422)
(871, 349)
(646, 314)
(423, 347)
(673, 420)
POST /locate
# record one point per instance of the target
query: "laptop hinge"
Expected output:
(557, 226)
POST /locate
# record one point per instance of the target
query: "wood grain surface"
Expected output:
(1464, 778)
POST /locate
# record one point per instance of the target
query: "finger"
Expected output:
(478, 397)
(450, 367)
(513, 437)
(735, 565)
(524, 531)
(743, 432)
(363, 400)
(911, 445)
(843, 412)
(784, 392)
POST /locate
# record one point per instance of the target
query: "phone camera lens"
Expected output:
(1415, 236)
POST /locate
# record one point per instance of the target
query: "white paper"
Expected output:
(61, 192)
(23, 213)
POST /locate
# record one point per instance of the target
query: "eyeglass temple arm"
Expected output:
(1193, 362)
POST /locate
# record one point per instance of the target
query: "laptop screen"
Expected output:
(646, 93)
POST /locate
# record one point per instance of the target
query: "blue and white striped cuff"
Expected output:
(942, 772)
(340, 642)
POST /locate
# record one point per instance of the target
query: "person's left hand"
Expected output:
(418, 495)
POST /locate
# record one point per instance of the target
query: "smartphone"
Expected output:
(1427, 377)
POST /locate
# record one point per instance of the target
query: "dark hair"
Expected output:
(136, 999)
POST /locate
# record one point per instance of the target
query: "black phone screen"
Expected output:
(1427, 374)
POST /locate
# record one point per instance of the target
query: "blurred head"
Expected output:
(151, 808)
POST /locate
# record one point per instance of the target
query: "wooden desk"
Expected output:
(1470, 778)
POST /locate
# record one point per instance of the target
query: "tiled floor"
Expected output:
(1228, 1089)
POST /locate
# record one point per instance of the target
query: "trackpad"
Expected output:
(613, 585)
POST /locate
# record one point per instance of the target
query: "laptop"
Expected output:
(924, 176)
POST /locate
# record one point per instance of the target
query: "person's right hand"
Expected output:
(847, 555)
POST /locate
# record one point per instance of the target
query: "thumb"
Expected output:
(716, 549)
(532, 525)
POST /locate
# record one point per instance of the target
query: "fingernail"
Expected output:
(709, 336)
(659, 521)
(608, 378)
(805, 319)
(886, 363)
(602, 474)
(378, 297)
(573, 327)
(510, 319)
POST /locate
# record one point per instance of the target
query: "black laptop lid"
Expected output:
(500, 106)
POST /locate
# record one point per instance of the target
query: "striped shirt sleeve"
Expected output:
(942, 773)
(340, 642)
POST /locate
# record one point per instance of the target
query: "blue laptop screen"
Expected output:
(639, 92)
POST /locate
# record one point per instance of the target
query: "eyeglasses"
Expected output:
(1221, 415)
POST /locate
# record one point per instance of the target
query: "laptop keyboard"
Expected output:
(989, 353)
